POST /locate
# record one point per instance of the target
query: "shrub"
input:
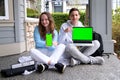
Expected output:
(115, 28)
(59, 18)
(32, 13)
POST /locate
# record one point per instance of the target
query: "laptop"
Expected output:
(82, 36)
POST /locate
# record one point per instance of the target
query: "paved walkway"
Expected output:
(110, 70)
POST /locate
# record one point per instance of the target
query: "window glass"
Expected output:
(3, 9)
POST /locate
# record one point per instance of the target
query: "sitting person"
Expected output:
(43, 54)
(65, 36)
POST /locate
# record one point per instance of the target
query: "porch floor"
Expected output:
(110, 70)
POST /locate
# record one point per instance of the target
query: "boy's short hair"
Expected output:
(74, 9)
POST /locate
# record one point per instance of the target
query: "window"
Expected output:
(32, 8)
(58, 3)
(4, 9)
(115, 4)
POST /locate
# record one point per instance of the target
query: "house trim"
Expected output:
(13, 48)
(6, 11)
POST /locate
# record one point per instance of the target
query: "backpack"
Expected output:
(99, 51)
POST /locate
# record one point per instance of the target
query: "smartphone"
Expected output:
(48, 39)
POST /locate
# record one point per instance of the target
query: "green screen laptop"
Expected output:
(82, 34)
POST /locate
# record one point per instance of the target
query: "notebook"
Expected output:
(82, 35)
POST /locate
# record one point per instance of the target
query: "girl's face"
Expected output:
(74, 17)
(44, 20)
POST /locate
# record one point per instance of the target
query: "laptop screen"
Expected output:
(82, 33)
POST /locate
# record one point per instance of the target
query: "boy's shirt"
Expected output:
(64, 37)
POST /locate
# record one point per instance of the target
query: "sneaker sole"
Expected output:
(63, 68)
(41, 66)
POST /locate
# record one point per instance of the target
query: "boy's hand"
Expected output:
(68, 29)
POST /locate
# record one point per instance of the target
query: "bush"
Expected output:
(115, 28)
(60, 18)
(32, 13)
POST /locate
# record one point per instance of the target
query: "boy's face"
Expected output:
(74, 16)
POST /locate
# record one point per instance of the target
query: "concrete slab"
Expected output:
(110, 70)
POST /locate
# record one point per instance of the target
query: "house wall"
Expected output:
(7, 27)
(13, 35)
(12, 31)
(101, 21)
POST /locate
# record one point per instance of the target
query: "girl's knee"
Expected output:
(62, 45)
(33, 52)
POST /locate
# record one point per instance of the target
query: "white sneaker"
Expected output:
(74, 62)
(97, 60)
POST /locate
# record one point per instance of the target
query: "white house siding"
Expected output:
(7, 34)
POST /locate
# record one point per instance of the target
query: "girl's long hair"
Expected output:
(51, 25)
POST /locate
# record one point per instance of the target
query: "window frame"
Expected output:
(6, 11)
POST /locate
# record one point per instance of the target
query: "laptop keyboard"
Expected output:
(78, 41)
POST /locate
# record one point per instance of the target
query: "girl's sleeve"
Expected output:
(39, 43)
(55, 38)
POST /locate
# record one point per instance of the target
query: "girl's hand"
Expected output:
(55, 43)
(68, 29)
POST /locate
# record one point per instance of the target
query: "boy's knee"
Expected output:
(86, 61)
(96, 43)
(70, 46)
